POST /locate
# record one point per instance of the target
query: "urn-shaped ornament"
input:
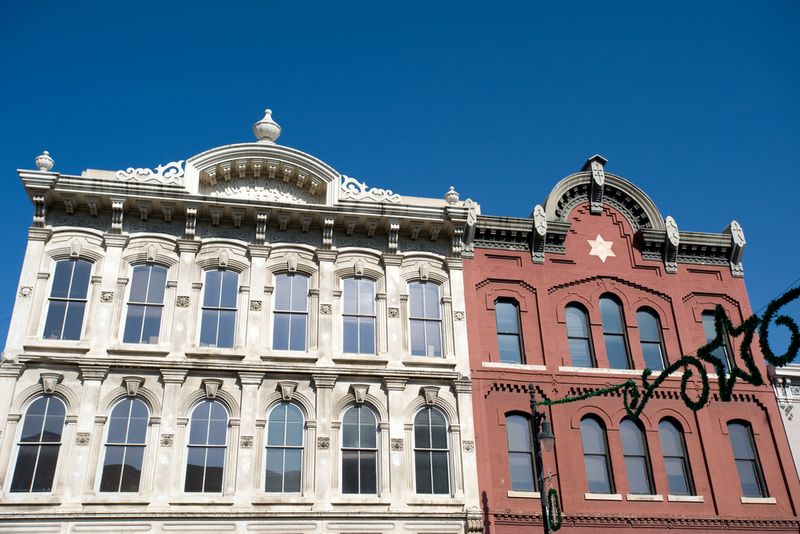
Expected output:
(44, 162)
(267, 130)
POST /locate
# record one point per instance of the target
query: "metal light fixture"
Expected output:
(546, 436)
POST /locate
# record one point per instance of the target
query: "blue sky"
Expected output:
(696, 103)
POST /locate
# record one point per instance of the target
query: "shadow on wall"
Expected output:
(485, 504)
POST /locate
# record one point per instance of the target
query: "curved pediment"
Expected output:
(265, 172)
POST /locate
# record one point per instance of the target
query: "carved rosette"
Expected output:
(167, 440)
(468, 445)
(325, 309)
(255, 305)
(246, 442)
(82, 438)
(394, 312)
(182, 301)
(323, 442)
(107, 296)
(458, 316)
(397, 444)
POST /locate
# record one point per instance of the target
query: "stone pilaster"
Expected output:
(168, 449)
(185, 301)
(325, 327)
(395, 389)
(29, 294)
(324, 489)
(247, 480)
(395, 327)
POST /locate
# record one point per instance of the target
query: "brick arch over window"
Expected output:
(642, 302)
(644, 420)
(507, 293)
(593, 411)
(679, 418)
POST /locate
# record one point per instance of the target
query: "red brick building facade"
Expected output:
(599, 239)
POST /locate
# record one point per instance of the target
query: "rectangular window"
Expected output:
(218, 324)
(358, 316)
(68, 297)
(291, 312)
(145, 304)
(506, 313)
(425, 319)
(751, 476)
(710, 329)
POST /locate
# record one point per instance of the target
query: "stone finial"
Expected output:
(44, 162)
(267, 130)
(451, 196)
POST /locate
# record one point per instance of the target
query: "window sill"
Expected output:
(602, 496)
(524, 494)
(759, 500)
(132, 500)
(685, 498)
(286, 356)
(520, 366)
(202, 500)
(600, 370)
(644, 498)
(57, 346)
(136, 349)
(444, 499)
(360, 501)
(287, 499)
(361, 359)
(427, 361)
(214, 353)
(26, 499)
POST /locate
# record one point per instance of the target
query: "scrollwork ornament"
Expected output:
(352, 189)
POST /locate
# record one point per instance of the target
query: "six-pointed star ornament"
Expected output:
(601, 248)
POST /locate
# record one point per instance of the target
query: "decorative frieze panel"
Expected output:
(352, 189)
(169, 174)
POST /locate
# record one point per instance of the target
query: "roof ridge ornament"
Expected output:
(352, 189)
(44, 162)
(170, 173)
(267, 130)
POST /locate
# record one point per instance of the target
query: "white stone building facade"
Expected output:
(786, 382)
(244, 341)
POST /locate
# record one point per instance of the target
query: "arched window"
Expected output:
(359, 451)
(358, 315)
(650, 337)
(676, 461)
(291, 312)
(68, 297)
(284, 449)
(579, 336)
(637, 458)
(218, 328)
(506, 314)
(614, 333)
(38, 446)
(431, 451)
(208, 433)
(595, 456)
(145, 303)
(745, 455)
(723, 351)
(425, 319)
(520, 453)
(127, 430)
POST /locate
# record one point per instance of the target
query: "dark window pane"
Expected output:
(293, 470)
(418, 347)
(593, 437)
(518, 431)
(369, 431)
(217, 432)
(676, 478)
(61, 279)
(132, 472)
(152, 324)
(80, 280)
(350, 296)
(211, 294)
(366, 297)
(195, 468)
(34, 421)
(422, 436)
(506, 317)
(597, 474)
(133, 324)
(274, 482)
(366, 338)
(577, 324)
(653, 358)
(632, 442)
(580, 352)
(214, 469)
(710, 330)
(294, 427)
(74, 320)
(350, 472)
(158, 282)
(415, 300)
(509, 348)
(648, 326)
(299, 293)
(441, 476)
(46, 468)
(198, 429)
(433, 338)
(422, 468)
(741, 441)
(670, 439)
(230, 289)
(617, 352)
(55, 319)
(283, 292)
(748, 478)
(23, 471)
(208, 328)
(432, 308)
(350, 434)
(139, 283)
(521, 467)
(611, 316)
(638, 475)
(227, 328)
(298, 332)
(280, 336)
(112, 468)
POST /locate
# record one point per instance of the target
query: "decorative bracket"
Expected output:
(737, 248)
(117, 212)
(359, 392)
(671, 244)
(539, 234)
(430, 394)
(596, 164)
(50, 381)
(132, 384)
(287, 388)
(261, 227)
(191, 222)
(212, 386)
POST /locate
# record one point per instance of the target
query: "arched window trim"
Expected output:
(433, 450)
(49, 298)
(529, 452)
(143, 445)
(516, 336)
(224, 446)
(606, 454)
(588, 339)
(39, 444)
(359, 449)
(162, 305)
(610, 336)
(683, 458)
(301, 447)
(644, 457)
(652, 342)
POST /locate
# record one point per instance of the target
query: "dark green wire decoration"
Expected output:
(635, 396)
